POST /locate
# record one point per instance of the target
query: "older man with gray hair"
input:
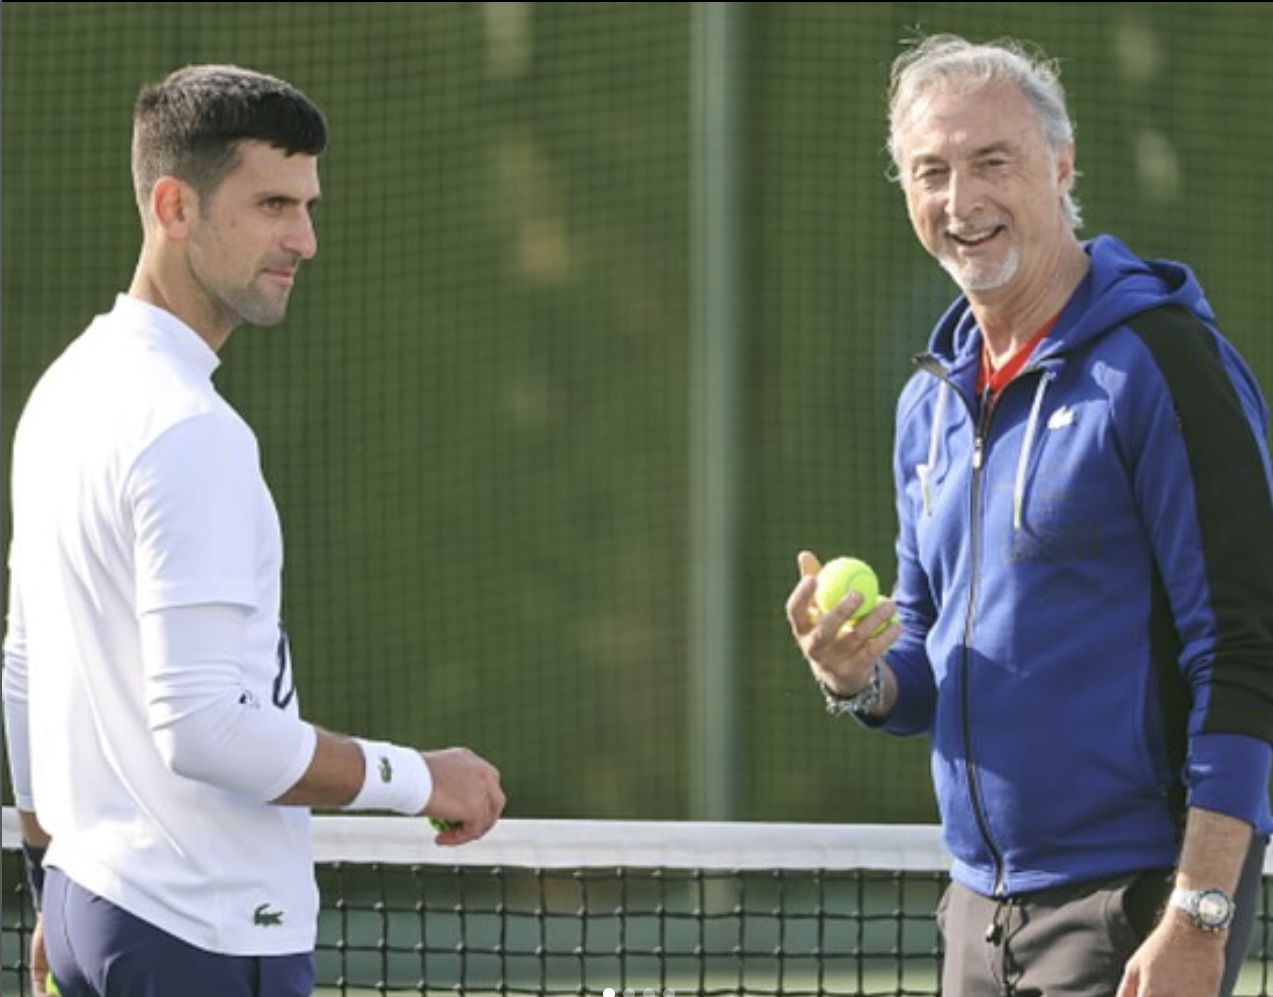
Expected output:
(1085, 568)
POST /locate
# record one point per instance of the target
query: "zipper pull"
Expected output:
(983, 423)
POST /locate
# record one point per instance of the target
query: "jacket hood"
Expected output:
(1118, 286)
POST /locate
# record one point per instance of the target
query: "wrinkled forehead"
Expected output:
(961, 116)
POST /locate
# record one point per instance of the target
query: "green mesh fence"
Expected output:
(476, 417)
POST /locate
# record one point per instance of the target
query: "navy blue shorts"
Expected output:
(98, 950)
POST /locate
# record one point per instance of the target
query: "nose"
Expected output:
(963, 194)
(301, 237)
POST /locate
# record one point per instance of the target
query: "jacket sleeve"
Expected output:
(1192, 426)
(915, 708)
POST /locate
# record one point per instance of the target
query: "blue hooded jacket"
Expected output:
(1085, 580)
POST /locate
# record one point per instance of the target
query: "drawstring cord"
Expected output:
(997, 936)
(994, 930)
(925, 470)
(1023, 461)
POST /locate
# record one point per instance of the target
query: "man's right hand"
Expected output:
(466, 791)
(841, 661)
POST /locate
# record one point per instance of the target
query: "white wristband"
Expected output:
(396, 778)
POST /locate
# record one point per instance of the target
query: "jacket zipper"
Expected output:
(982, 424)
(982, 427)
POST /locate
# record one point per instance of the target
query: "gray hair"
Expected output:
(946, 61)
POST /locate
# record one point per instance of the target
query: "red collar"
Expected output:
(996, 380)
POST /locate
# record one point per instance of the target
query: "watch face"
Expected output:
(1213, 908)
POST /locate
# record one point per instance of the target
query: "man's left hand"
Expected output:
(1177, 960)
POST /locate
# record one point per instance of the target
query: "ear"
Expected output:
(172, 205)
(1065, 168)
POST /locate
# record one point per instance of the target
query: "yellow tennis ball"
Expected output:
(50, 986)
(841, 576)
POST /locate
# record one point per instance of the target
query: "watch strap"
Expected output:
(1207, 910)
(861, 703)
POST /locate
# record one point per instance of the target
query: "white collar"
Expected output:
(152, 324)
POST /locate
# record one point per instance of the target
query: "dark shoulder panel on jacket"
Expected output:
(1235, 516)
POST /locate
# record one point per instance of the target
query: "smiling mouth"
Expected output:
(972, 239)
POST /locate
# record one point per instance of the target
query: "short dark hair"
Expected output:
(189, 125)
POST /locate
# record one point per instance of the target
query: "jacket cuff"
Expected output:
(912, 713)
(1229, 774)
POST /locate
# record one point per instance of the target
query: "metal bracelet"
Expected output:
(861, 703)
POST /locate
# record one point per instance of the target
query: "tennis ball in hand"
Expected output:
(50, 986)
(442, 824)
(841, 576)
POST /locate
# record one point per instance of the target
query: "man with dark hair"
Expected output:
(189, 125)
(155, 739)
(1085, 568)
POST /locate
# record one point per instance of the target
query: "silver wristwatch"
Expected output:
(1209, 910)
(861, 703)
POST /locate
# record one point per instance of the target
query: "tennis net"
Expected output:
(617, 908)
